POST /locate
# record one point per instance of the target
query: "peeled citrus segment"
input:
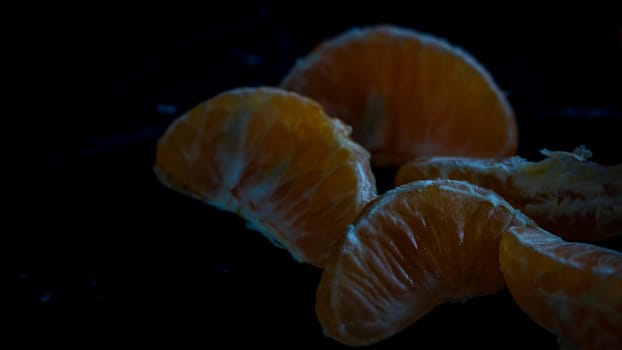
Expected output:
(274, 158)
(407, 94)
(411, 249)
(564, 193)
(573, 289)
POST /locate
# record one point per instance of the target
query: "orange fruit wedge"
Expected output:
(574, 290)
(564, 193)
(411, 249)
(406, 94)
(275, 159)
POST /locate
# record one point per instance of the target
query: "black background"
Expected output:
(103, 253)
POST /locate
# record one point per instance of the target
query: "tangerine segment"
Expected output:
(564, 193)
(274, 158)
(407, 94)
(573, 290)
(411, 249)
